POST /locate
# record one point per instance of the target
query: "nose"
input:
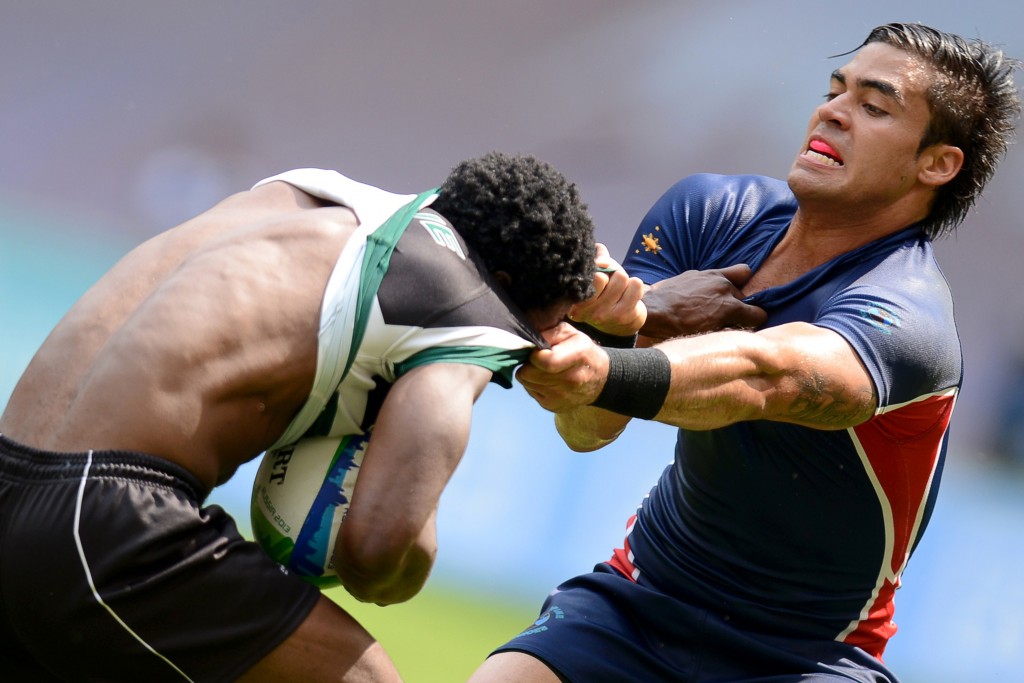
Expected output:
(835, 111)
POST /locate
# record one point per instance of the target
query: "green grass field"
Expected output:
(442, 634)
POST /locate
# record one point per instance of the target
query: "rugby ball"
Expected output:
(300, 497)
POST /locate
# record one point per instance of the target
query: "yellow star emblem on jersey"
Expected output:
(650, 242)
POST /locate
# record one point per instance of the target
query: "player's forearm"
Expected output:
(694, 383)
(714, 383)
(796, 373)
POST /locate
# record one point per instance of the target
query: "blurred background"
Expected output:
(120, 119)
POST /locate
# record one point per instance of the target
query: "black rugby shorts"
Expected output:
(111, 569)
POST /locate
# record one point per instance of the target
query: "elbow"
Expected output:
(384, 566)
(589, 445)
(589, 429)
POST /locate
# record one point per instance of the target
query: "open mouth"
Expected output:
(820, 151)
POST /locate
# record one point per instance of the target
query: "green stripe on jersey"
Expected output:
(501, 362)
(380, 244)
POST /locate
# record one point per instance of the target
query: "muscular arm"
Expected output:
(796, 373)
(388, 542)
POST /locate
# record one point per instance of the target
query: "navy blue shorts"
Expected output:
(111, 570)
(603, 627)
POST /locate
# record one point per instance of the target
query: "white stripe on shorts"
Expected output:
(88, 574)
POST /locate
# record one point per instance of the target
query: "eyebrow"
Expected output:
(884, 87)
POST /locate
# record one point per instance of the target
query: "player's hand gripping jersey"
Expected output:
(405, 291)
(786, 529)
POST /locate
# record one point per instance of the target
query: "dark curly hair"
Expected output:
(974, 105)
(523, 217)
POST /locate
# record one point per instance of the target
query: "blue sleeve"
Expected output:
(899, 319)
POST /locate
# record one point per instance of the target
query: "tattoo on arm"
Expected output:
(821, 400)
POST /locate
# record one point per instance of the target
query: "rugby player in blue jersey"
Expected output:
(810, 450)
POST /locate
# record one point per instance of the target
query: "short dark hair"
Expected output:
(974, 105)
(523, 217)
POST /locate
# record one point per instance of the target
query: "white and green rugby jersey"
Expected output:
(406, 291)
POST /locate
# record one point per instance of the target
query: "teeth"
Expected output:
(817, 156)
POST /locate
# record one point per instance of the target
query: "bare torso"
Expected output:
(199, 346)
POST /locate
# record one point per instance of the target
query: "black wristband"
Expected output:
(638, 382)
(613, 341)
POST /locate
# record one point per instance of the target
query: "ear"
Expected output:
(939, 164)
(503, 278)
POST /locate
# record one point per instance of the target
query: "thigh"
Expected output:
(514, 666)
(115, 579)
(327, 644)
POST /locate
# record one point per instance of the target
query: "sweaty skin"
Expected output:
(199, 346)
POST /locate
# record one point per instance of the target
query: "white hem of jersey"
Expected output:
(88, 573)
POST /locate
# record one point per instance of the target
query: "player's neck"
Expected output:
(821, 236)
(811, 240)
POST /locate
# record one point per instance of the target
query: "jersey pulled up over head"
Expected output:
(784, 528)
(406, 291)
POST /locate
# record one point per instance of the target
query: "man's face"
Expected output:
(862, 142)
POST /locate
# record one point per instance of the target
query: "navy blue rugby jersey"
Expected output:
(788, 529)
